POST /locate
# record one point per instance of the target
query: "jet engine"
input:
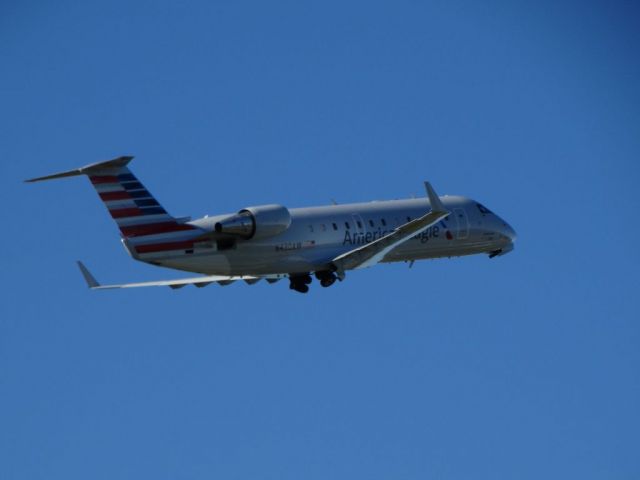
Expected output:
(256, 222)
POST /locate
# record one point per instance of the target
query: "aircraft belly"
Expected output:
(266, 260)
(209, 263)
(300, 261)
(256, 260)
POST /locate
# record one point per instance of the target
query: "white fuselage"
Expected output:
(318, 234)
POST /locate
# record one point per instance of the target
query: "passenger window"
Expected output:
(335, 227)
(323, 227)
(311, 228)
(346, 225)
(359, 224)
(408, 219)
(384, 222)
(371, 223)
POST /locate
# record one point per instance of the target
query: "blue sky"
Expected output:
(524, 366)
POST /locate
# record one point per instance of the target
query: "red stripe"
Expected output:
(161, 247)
(114, 196)
(153, 228)
(96, 179)
(125, 212)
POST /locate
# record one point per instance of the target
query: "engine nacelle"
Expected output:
(256, 222)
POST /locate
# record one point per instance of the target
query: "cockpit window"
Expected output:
(482, 208)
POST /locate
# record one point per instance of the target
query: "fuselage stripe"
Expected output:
(154, 228)
(162, 247)
(143, 220)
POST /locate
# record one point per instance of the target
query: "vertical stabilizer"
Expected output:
(139, 216)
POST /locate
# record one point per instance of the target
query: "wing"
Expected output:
(374, 252)
(200, 282)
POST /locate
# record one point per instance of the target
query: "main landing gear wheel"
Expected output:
(299, 287)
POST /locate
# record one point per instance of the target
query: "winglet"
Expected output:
(434, 200)
(90, 279)
(109, 164)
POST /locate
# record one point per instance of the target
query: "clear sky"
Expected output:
(525, 366)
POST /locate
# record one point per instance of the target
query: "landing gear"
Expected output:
(300, 283)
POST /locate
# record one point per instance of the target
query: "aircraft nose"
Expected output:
(506, 236)
(508, 231)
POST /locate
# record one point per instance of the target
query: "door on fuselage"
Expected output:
(359, 227)
(462, 223)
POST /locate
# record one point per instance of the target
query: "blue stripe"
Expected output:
(147, 203)
(132, 185)
(127, 177)
(139, 194)
(153, 210)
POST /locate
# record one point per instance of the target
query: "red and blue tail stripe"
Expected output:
(142, 221)
(130, 203)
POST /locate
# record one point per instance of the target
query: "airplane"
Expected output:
(273, 242)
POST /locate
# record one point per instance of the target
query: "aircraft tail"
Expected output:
(136, 212)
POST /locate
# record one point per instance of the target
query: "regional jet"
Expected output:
(273, 242)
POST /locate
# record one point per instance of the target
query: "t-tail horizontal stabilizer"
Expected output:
(116, 163)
